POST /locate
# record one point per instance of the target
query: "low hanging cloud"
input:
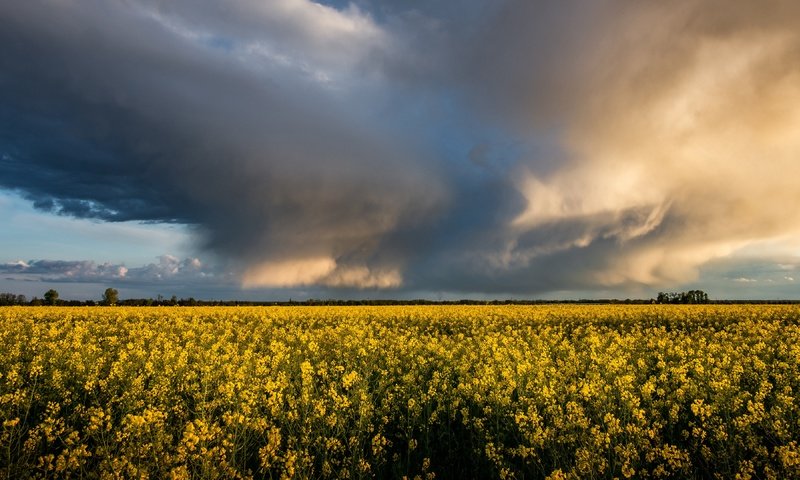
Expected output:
(511, 147)
(168, 269)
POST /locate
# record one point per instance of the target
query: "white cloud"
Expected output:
(745, 280)
(304, 37)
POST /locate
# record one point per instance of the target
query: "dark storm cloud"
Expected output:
(124, 111)
(502, 147)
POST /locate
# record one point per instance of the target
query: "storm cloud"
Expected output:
(510, 147)
(143, 111)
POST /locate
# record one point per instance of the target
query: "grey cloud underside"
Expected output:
(295, 132)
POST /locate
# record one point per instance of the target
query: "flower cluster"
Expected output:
(400, 392)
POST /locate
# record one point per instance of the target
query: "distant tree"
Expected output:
(12, 299)
(692, 296)
(110, 296)
(50, 297)
(696, 296)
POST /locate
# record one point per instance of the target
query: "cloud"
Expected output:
(148, 118)
(169, 269)
(319, 271)
(85, 270)
(510, 147)
(745, 280)
(674, 126)
(300, 37)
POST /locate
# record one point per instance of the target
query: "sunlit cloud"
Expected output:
(680, 139)
(318, 271)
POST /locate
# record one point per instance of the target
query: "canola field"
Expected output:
(524, 392)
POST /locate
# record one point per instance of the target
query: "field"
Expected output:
(393, 392)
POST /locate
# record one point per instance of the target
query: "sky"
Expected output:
(267, 150)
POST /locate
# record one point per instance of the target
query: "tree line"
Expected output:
(111, 297)
(51, 297)
(692, 296)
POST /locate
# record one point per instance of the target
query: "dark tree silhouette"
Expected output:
(51, 297)
(12, 299)
(692, 296)
(110, 296)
